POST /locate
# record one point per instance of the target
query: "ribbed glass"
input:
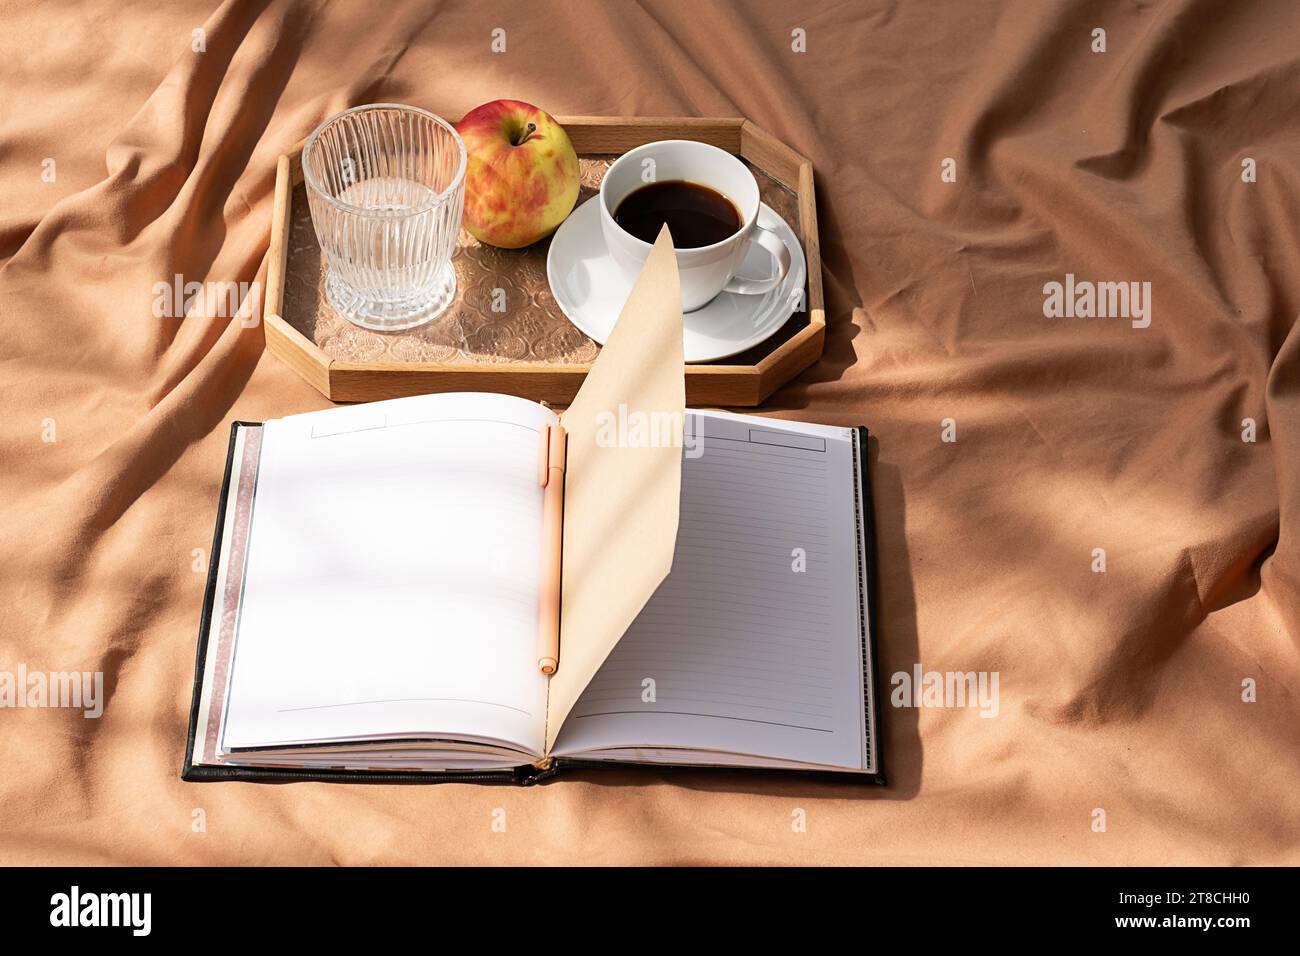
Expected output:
(386, 186)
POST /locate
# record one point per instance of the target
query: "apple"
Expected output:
(521, 180)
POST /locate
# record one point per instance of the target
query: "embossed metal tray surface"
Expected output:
(504, 331)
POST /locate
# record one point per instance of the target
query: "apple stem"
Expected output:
(529, 131)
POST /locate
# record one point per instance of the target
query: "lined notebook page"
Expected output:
(392, 576)
(752, 644)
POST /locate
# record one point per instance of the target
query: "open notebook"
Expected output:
(373, 603)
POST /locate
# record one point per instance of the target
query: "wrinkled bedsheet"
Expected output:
(968, 155)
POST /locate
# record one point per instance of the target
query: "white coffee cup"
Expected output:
(708, 270)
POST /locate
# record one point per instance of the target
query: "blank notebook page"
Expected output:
(752, 644)
(392, 576)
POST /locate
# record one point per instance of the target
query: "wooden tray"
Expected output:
(532, 350)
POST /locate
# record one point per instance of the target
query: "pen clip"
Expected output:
(552, 454)
(544, 457)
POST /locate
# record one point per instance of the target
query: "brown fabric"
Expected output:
(1120, 691)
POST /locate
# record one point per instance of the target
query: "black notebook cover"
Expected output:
(525, 775)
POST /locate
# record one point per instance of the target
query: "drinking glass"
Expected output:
(386, 186)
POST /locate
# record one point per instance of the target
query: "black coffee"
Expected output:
(696, 215)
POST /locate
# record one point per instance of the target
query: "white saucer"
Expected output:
(591, 290)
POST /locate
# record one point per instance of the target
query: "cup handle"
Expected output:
(766, 237)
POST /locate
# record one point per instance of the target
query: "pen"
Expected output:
(551, 475)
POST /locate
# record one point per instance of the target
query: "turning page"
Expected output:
(623, 483)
